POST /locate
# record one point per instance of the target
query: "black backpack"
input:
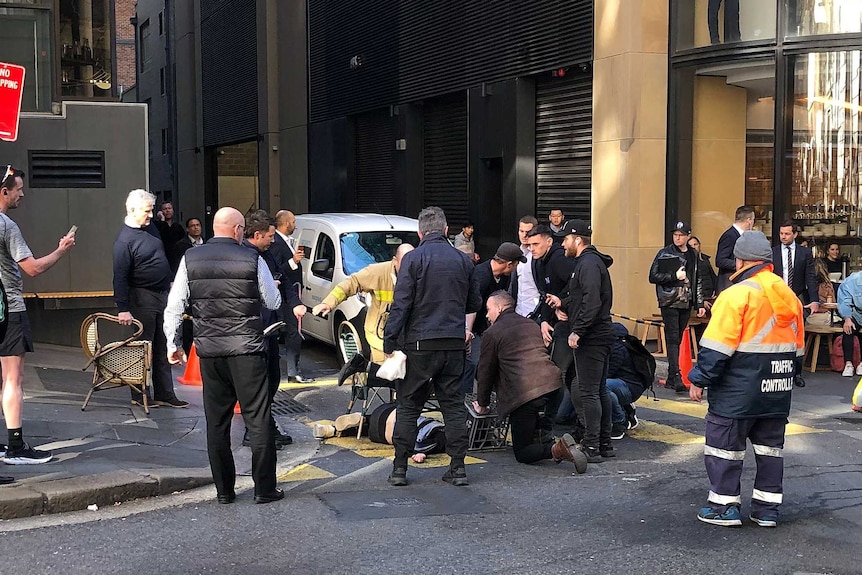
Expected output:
(643, 361)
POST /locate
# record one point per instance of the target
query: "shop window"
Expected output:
(826, 155)
(817, 17)
(85, 38)
(714, 22)
(238, 182)
(22, 30)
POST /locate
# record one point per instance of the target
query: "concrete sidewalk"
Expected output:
(112, 452)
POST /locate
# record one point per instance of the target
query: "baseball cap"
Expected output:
(577, 227)
(683, 227)
(509, 252)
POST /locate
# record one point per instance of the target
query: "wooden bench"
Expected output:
(813, 335)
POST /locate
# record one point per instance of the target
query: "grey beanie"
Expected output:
(753, 246)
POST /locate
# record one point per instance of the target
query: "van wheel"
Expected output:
(349, 341)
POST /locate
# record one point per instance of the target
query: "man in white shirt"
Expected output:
(289, 254)
(523, 286)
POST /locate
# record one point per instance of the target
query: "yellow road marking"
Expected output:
(698, 410)
(650, 431)
(287, 385)
(305, 472)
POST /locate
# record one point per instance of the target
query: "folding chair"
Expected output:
(118, 363)
(364, 386)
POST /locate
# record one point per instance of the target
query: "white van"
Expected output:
(336, 246)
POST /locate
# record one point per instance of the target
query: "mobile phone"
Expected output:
(72, 230)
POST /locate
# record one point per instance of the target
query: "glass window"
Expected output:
(238, 182)
(26, 38)
(144, 44)
(712, 22)
(85, 37)
(359, 249)
(826, 170)
(325, 250)
(816, 17)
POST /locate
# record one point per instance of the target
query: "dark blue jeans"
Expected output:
(620, 396)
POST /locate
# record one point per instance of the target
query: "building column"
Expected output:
(629, 144)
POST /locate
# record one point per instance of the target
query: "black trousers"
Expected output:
(523, 422)
(675, 322)
(226, 380)
(439, 371)
(292, 344)
(148, 307)
(731, 20)
(592, 401)
(561, 355)
(273, 371)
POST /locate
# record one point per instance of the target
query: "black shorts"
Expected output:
(18, 338)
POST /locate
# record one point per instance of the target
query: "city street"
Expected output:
(633, 514)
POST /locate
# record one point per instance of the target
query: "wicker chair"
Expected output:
(118, 363)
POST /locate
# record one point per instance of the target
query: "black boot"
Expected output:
(356, 364)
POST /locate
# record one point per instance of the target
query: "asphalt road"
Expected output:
(631, 515)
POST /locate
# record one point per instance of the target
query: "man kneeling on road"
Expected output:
(515, 363)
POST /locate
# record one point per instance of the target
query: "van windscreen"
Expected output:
(359, 249)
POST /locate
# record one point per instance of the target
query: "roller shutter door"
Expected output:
(564, 132)
(445, 157)
(375, 163)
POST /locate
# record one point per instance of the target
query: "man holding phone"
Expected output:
(15, 256)
(288, 253)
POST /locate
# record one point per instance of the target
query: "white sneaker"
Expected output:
(848, 369)
(859, 369)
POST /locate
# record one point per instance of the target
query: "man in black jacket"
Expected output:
(289, 256)
(433, 295)
(259, 235)
(226, 285)
(795, 264)
(491, 275)
(193, 238)
(588, 307)
(743, 220)
(678, 288)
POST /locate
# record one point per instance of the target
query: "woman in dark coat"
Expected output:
(708, 279)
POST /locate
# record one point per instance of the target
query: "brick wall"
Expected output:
(124, 51)
(238, 160)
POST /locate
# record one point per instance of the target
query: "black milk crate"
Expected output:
(485, 432)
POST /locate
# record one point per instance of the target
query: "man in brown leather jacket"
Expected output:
(515, 363)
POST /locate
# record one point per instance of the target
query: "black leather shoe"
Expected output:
(299, 379)
(282, 440)
(799, 381)
(276, 495)
(356, 364)
(227, 498)
(398, 477)
(456, 476)
(5, 479)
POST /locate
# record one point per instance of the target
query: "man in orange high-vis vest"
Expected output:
(749, 356)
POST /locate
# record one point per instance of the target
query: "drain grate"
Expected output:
(284, 404)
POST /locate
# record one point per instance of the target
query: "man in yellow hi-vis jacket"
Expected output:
(377, 280)
(749, 355)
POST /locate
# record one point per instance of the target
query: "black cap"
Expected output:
(509, 252)
(577, 227)
(683, 227)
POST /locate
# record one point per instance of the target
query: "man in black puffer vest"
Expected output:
(226, 284)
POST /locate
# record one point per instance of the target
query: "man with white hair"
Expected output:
(142, 278)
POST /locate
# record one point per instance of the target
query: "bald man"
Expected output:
(226, 284)
(377, 280)
(288, 254)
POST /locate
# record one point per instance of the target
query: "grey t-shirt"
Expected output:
(13, 249)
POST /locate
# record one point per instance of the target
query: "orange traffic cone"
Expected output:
(236, 408)
(192, 375)
(685, 356)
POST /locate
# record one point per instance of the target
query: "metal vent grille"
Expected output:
(410, 50)
(375, 163)
(284, 404)
(66, 169)
(564, 151)
(228, 71)
(445, 157)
